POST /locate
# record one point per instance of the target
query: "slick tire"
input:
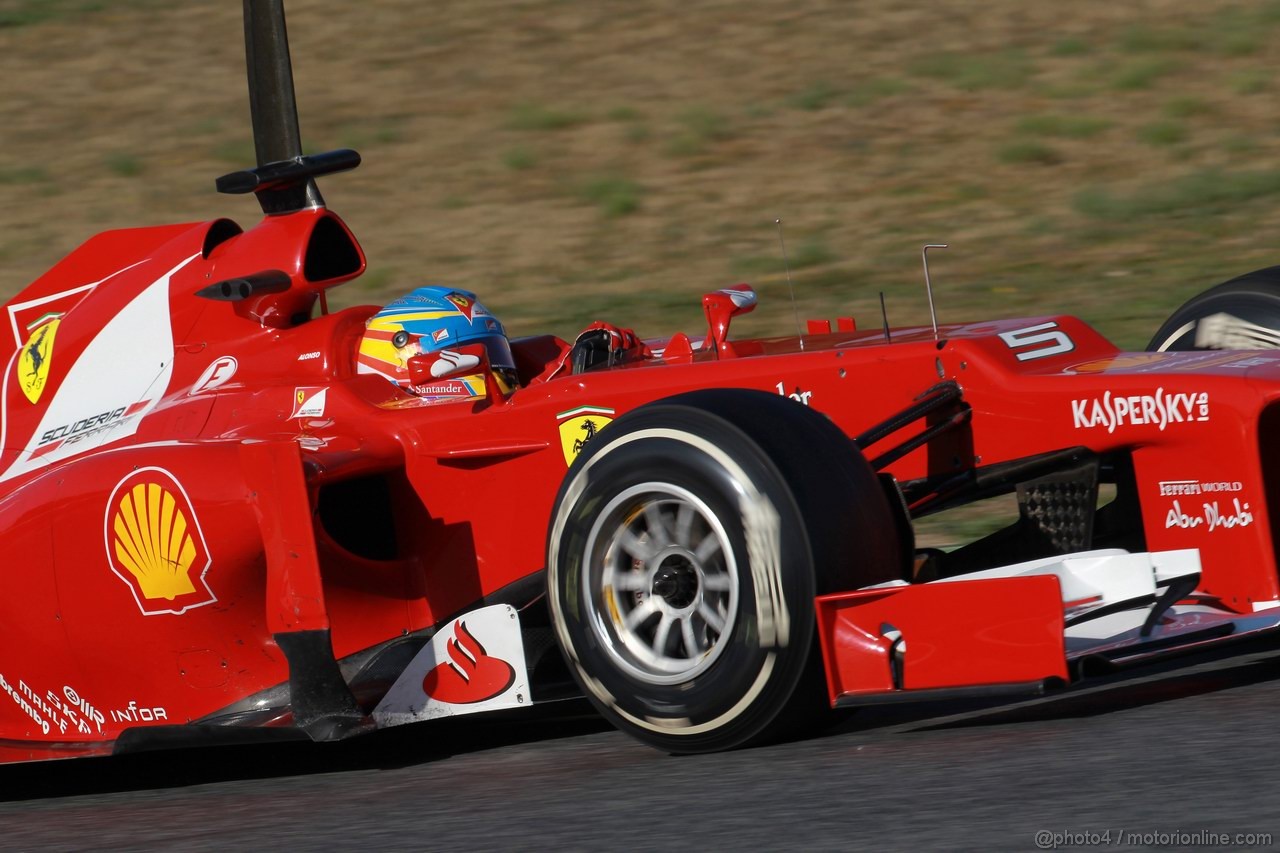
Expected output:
(685, 549)
(1241, 314)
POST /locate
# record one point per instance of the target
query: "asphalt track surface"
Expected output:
(1189, 747)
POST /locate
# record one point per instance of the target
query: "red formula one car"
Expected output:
(230, 514)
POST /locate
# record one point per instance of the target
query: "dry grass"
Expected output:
(573, 161)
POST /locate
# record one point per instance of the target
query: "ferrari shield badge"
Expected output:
(33, 363)
(580, 425)
(309, 402)
(475, 663)
(465, 304)
(155, 544)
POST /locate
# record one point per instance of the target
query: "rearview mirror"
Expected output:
(721, 307)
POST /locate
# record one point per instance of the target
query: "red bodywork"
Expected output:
(197, 477)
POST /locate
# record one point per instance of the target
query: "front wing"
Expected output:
(1019, 629)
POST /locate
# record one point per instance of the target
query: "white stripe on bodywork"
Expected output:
(129, 361)
(52, 297)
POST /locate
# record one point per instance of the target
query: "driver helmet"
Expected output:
(436, 319)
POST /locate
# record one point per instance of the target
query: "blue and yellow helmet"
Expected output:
(435, 319)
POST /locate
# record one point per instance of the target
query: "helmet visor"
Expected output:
(499, 351)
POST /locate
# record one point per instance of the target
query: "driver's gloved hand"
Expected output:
(605, 345)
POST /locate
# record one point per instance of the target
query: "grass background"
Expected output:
(573, 161)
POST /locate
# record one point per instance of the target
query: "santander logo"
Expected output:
(456, 674)
(470, 675)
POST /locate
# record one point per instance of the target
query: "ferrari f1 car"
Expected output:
(230, 514)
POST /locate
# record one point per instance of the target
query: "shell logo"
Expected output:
(155, 544)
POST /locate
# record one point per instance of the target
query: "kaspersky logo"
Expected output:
(33, 363)
(155, 544)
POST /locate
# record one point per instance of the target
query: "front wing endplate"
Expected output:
(927, 637)
(474, 663)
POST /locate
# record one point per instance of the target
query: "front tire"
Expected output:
(686, 547)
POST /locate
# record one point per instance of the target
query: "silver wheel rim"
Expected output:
(660, 583)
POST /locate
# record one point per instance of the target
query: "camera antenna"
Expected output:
(786, 263)
(928, 285)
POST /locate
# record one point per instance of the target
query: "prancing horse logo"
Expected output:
(579, 426)
(33, 364)
(590, 428)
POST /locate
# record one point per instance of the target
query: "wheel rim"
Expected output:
(661, 583)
